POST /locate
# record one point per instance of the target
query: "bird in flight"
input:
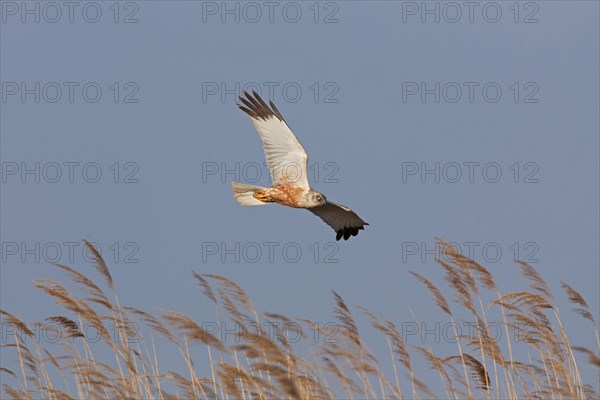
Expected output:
(287, 162)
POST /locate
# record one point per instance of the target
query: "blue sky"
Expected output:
(480, 128)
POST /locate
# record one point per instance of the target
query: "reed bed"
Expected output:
(542, 363)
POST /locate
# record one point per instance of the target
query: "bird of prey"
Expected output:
(287, 162)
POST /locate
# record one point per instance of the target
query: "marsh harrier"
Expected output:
(287, 162)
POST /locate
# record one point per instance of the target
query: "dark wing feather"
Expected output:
(343, 220)
(256, 107)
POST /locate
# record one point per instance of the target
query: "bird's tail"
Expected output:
(244, 194)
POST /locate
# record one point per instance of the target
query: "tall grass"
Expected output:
(542, 363)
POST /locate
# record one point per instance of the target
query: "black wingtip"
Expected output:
(347, 232)
(256, 107)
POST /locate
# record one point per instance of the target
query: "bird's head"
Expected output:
(318, 199)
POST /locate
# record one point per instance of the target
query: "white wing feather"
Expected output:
(286, 158)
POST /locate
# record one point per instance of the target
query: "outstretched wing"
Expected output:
(342, 219)
(286, 158)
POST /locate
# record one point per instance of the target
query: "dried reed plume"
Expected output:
(531, 358)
